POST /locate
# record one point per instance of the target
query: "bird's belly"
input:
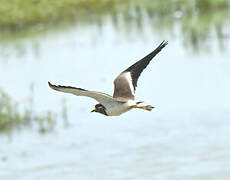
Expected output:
(118, 108)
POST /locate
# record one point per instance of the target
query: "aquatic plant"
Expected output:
(11, 118)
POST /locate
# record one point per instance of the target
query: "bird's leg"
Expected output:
(148, 107)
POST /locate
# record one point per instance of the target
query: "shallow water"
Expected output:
(185, 137)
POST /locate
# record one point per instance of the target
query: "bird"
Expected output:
(125, 84)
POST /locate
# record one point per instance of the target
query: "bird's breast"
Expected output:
(117, 108)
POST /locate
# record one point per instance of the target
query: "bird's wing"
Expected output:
(123, 87)
(125, 84)
(102, 98)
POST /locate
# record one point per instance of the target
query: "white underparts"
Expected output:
(117, 108)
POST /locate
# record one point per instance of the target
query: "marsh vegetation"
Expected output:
(22, 13)
(19, 116)
(198, 21)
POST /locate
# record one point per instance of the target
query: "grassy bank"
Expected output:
(23, 13)
(32, 18)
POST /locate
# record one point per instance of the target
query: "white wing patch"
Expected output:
(129, 80)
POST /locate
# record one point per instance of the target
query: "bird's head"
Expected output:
(100, 109)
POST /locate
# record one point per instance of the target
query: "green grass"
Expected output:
(32, 18)
(23, 13)
(18, 13)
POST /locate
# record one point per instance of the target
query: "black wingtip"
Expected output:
(158, 49)
(163, 44)
(50, 85)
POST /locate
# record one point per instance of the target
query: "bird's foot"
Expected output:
(148, 107)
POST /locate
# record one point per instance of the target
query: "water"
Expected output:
(185, 137)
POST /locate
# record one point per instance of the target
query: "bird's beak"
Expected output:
(94, 110)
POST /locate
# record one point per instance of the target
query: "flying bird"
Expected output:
(125, 84)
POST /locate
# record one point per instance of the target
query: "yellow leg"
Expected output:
(148, 107)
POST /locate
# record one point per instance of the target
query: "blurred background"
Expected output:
(86, 43)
